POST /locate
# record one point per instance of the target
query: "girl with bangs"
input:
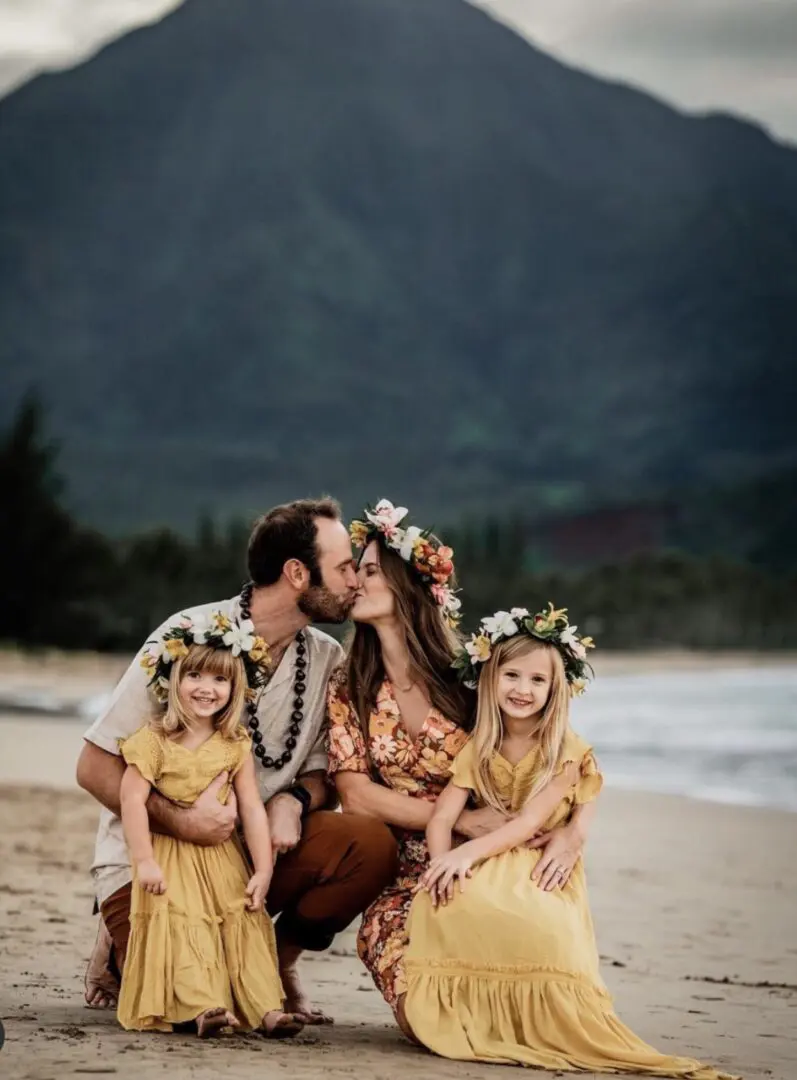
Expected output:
(202, 953)
(499, 967)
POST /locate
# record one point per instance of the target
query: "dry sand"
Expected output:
(694, 907)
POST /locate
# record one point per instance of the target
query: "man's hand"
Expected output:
(476, 823)
(562, 848)
(209, 822)
(284, 822)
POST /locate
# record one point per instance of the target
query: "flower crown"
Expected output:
(430, 561)
(219, 632)
(549, 625)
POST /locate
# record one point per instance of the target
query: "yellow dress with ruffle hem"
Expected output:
(196, 946)
(510, 973)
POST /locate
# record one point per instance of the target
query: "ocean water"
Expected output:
(728, 735)
(725, 735)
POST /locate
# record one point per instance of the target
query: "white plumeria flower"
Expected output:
(240, 638)
(405, 548)
(386, 516)
(519, 612)
(568, 636)
(200, 630)
(578, 650)
(500, 624)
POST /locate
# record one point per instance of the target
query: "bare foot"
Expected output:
(213, 1022)
(281, 1025)
(102, 985)
(296, 1001)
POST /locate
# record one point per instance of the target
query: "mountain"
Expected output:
(386, 247)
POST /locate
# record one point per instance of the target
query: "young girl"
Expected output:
(499, 968)
(201, 946)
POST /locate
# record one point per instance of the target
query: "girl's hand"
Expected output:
(257, 890)
(439, 879)
(150, 877)
(562, 848)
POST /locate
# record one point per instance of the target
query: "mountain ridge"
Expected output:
(413, 253)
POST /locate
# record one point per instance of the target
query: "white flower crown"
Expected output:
(550, 625)
(216, 630)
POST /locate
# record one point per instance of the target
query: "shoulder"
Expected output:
(574, 748)
(144, 747)
(324, 645)
(143, 736)
(464, 767)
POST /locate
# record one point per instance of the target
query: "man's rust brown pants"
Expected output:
(341, 864)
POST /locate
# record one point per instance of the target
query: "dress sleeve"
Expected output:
(463, 771)
(347, 750)
(144, 750)
(590, 780)
(241, 748)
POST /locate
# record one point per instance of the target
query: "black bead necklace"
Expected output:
(299, 688)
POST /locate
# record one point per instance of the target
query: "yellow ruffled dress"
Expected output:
(510, 973)
(195, 947)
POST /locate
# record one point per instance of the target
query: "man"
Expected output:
(329, 866)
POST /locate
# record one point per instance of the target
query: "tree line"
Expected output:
(66, 585)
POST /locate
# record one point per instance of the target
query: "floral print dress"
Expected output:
(418, 767)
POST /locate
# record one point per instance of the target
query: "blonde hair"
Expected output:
(489, 730)
(204, 658)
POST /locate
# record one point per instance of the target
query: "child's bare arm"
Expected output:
(447, 810)
(529, 821)
(256, 830)
(135, 819)
(135, 822)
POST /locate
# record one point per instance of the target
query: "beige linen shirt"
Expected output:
(131, 706)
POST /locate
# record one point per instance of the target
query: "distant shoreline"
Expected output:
(96, 671)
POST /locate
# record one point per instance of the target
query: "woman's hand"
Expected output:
(562, 848)
(443, 872)
(257, 890)
(150, 877)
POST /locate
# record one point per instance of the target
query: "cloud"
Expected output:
(41, 35)
(735, 55)
(738, 55)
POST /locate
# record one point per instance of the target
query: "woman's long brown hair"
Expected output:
(431, 643)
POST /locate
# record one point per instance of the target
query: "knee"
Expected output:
(376, 849)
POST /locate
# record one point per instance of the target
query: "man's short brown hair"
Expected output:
(288, 532)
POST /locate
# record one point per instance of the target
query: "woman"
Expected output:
(398, 718)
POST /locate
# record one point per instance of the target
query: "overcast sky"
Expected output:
(739, 55)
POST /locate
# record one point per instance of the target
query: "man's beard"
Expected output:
(320, 604)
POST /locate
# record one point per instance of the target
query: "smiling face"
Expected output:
(203, 694)
(524, 684)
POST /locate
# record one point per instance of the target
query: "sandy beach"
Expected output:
(693, 904)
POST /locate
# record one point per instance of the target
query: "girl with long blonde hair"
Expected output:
(202, 949)
(499, 967)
